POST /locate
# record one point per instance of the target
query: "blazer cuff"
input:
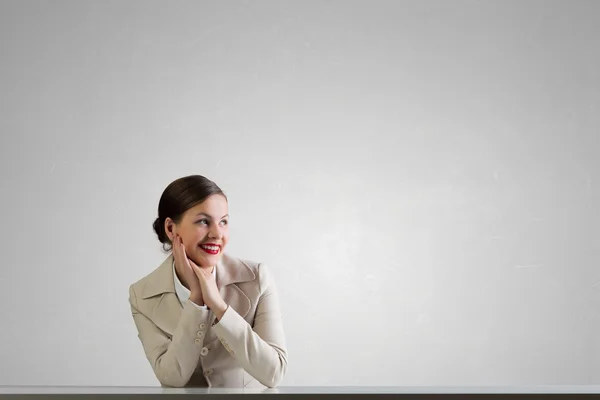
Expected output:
(231, 326)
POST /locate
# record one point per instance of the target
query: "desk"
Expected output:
(302, 392)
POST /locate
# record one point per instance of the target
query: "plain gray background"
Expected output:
(422, 177)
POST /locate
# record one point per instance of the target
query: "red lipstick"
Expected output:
(212, 248)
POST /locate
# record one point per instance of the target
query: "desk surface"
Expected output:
(302, 389)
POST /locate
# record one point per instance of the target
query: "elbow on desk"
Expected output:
(170, 377)
(278, 374)
(171, 382)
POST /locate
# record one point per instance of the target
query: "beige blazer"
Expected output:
(187, 346)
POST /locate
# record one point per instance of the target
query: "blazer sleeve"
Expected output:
(261, 348)
(173, 359)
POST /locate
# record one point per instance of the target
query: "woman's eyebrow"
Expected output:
(208, 216)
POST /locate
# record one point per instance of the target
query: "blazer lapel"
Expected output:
(230, 271)
(166, 311)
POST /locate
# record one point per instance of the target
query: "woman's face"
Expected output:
(204, 230)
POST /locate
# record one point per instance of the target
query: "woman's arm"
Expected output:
(261, 350)
(175, 359)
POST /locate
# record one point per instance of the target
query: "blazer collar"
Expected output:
(233, 270)
(160, 280)
(229, 270)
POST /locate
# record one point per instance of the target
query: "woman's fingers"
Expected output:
(200, 272)
(183, 262)
(182, 247)
(180, 254)
(197, 270)
(177, 248)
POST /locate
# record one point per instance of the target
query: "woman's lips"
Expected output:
(210, 249)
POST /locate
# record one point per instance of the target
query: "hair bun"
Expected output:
(160, 230)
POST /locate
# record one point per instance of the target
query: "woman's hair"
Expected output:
(181, 195)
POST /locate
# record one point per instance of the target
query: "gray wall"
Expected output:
(422, 177)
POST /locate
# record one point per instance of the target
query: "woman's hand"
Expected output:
(188, 267)
(210, 291)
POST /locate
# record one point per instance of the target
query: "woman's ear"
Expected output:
(170, 228)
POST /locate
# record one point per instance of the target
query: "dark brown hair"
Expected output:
(181, 195)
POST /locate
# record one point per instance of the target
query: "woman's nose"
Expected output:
(214, 233)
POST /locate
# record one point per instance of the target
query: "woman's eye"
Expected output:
(224, 222)
(202, 221)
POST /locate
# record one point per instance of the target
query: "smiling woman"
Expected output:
(205, 318)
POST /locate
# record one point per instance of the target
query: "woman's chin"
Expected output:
(208, 260)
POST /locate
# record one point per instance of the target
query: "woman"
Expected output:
(206, 318)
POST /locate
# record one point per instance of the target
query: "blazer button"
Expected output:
(198, 341)
(200, 333)
(202, 325)
(208, 372)
(204, 351)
